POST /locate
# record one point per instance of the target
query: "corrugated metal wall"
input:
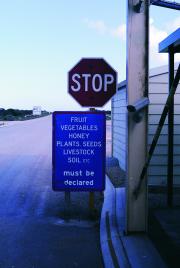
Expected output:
(119, 126)
(158, 90)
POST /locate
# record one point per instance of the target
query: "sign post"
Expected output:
(79, 137)
(79, 151)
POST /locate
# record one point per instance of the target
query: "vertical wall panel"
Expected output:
(119, 126)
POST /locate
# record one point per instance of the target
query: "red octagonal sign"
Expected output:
(92, 82)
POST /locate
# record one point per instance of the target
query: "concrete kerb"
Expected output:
(112, 248)
(119, 250)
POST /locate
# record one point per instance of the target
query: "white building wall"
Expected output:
(158, 91)
(37, 110)
(119, 126)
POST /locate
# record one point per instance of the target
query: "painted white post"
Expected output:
(137, 87)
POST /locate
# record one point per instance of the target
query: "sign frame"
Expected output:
(76, 189)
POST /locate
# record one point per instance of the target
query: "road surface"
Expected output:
(33, 232)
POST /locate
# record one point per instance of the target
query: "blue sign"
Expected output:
(79, 151)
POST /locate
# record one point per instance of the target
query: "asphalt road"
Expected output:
(36, 229)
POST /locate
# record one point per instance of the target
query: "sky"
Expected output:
(41, 40)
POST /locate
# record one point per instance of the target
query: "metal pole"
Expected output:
(67, 197)
(137, 88)
(170, 133)
(91, 194)
(91, 201)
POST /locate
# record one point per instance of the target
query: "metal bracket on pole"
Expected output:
(137, 109)
(139, 7)
(165, 3)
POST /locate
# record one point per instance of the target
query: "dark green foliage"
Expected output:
(16, 114)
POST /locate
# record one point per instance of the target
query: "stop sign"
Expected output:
(92, 82)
